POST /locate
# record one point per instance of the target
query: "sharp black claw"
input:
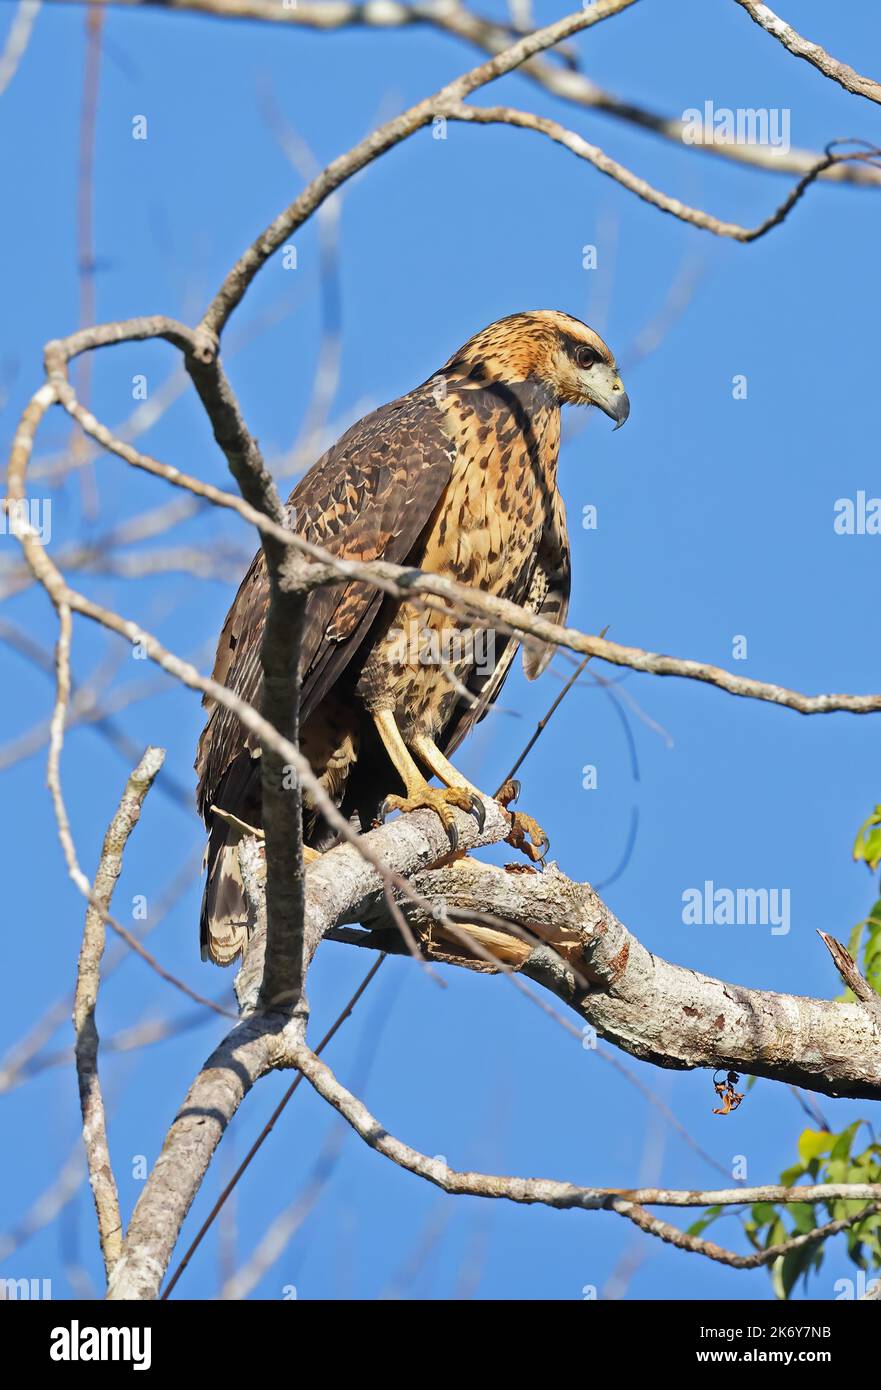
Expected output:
(383, 812)
(515, 789)
(478, 811)
(452, 836)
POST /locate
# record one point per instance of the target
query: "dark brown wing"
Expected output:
(543, 589)
(550, 586)
(369, 497)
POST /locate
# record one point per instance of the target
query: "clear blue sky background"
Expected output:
(715, 519)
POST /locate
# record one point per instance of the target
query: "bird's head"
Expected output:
(566, 357)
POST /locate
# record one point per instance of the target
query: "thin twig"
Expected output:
(812, 53)
(88, 982)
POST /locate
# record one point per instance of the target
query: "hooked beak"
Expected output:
(607, 391)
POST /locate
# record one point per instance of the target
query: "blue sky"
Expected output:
(715, 519)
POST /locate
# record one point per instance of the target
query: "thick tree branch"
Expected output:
(266, 1131)
(661, 1013)
(252, 1049)
(346, 884)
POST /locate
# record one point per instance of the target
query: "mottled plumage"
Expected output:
(459, 478)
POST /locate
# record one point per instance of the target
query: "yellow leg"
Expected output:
(397, 750)
(426, 749)
(419, 792)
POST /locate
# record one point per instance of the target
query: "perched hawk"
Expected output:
(458, 477)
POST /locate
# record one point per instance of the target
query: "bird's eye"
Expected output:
(586, 357)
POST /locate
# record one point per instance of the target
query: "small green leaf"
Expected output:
(813, 1143)
(790, 1176)
(867, 846)
(803, 1215)
(841, 1147)
(704, 1221)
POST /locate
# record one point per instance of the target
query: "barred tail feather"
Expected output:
(223, 921)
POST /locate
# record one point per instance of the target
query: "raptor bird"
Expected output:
(459, 478)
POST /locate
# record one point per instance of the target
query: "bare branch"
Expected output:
(812, 53)
(266, 1131)
(246, 1054)
(280, 658)
(683, 1240)
(565, 1196)
(563, 80)
(659, 1012)
(577, 145)
(847, 968)
(88, 982)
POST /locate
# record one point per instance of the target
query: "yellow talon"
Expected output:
(523, 830)
(439, 800)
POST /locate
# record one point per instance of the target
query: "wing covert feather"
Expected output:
(369, 497)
